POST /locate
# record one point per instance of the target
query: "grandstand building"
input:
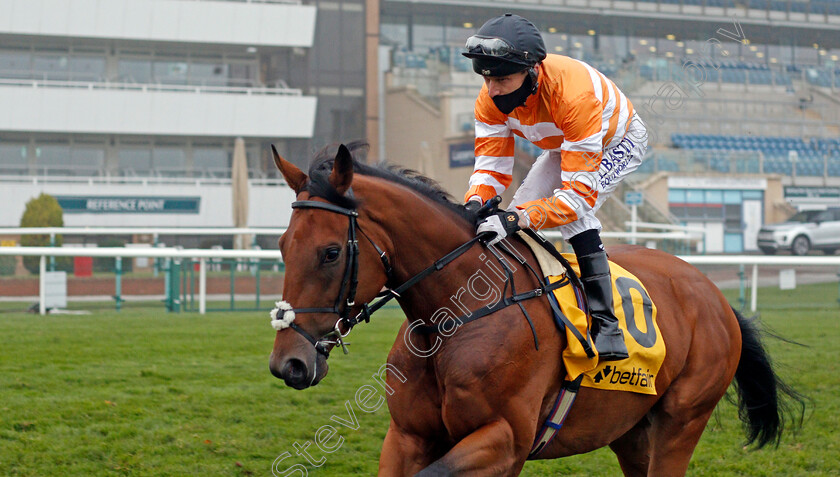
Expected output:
(123, 100)
(145, 98)
(742, 98)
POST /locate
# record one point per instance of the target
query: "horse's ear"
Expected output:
(294, 176)
(342, 172)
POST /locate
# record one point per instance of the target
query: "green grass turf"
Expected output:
(142, 392)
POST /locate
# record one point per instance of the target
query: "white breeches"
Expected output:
(617, 162)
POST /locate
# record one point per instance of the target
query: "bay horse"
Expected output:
(475, 404)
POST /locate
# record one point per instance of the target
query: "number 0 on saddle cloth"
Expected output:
(637, 319)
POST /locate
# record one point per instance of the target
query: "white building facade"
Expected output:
(134, 93)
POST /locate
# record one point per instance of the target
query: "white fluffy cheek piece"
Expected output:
(287, 316)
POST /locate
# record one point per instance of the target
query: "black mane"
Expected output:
(321, 167)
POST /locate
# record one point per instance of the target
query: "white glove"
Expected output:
(492, 224)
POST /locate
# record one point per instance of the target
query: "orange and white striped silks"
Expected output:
(576, 111)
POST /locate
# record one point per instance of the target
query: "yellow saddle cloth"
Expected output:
(637, 319)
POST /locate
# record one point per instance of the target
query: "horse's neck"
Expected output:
(422, 232)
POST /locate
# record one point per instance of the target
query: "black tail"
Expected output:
(765, 402)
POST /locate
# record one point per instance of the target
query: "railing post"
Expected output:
(178, 280)
(156, 268)
(742, 295)
(118, 282)
(258, 283)
(166, 287)
(754, 294)
(52, 258)
(202, 286)
(192, 284)
(233, 265)
(42, 286)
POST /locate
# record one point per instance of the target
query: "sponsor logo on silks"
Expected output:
(485, 72)
(636, 377)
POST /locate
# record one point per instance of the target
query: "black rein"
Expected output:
(350, 281)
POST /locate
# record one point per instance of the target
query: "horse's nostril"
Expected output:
(294, 372)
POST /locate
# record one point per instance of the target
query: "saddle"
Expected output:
(644, 343)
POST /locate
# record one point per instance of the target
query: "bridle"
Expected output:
(350, 281)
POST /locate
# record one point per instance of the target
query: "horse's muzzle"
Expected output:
(292, 371)
(296, 373)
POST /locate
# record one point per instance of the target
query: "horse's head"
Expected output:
(328, 269)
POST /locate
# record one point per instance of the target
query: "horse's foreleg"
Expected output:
(487, 451)
(403, 453)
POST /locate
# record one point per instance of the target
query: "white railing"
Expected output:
(203, 254)
(142, 231)
(117, 252)
(125, 179)
(186, 88)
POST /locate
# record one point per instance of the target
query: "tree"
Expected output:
(42, 211)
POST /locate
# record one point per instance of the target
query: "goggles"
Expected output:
(495, 47)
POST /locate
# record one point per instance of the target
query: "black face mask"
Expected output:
(506, 103)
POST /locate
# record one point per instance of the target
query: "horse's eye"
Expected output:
(331, 254)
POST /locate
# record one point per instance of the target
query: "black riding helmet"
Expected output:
(505, 45)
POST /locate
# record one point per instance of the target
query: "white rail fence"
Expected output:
(119, 253)
(202, 255)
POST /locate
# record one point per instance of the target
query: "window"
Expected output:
(242, 74)
(732, 218)
(50, 66)
(170, 159)
(136, 160)
(135, 71)
(212, 74)
(215, 161)
(87, 68)
(695, 197)
(54, 158)
(88, 157)
(15, 64)
(13, 158)
(53, 154)
(170, 72)
(824, 216)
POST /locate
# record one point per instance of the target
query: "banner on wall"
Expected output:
(797, 192)
(461, 155)
(129, 205)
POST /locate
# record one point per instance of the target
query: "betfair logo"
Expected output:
(636, 377)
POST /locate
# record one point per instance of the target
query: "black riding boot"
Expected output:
(595, 275)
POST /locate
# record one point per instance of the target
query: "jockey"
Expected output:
(591, 138)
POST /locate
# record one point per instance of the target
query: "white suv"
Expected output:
(806, 230)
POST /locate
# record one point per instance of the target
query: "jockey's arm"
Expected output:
(580, 158)
(494, 148)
